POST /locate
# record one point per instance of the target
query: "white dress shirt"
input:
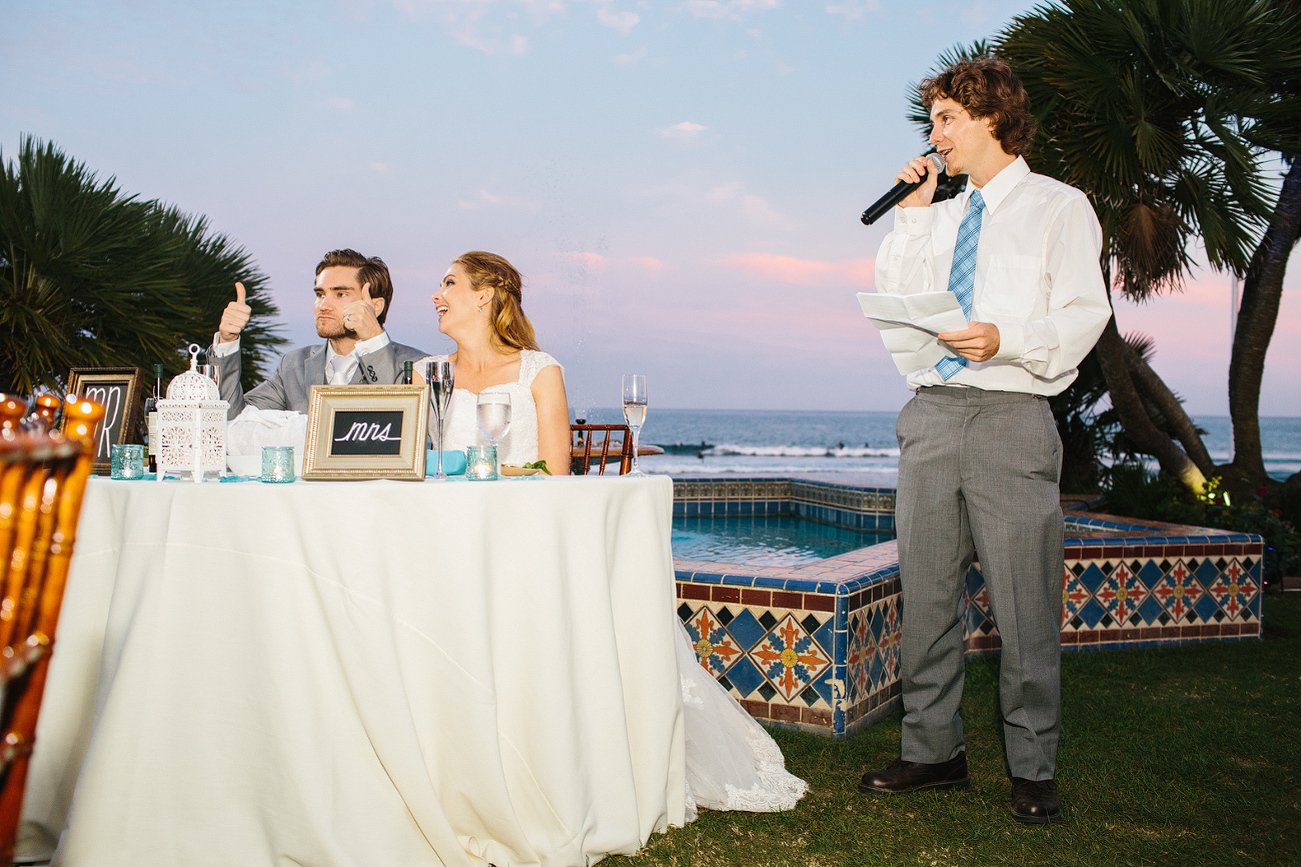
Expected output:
(1038, 278)
(333, 360)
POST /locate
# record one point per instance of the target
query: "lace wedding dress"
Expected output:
(732, 763)
(461, 429)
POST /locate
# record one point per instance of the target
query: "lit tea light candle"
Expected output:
(277, 463)
(481, 463)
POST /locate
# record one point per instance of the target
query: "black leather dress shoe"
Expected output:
(914, 776)
(1035, 802)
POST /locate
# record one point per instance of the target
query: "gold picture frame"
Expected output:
(359, 432)
(120, 390)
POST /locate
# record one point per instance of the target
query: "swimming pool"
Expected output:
(766, 540)
(805, 632)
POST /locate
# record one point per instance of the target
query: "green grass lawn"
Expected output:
(1186, 755)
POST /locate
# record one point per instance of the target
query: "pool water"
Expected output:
(766, 540)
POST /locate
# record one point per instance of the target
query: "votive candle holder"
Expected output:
(277, 464)
(481, 463)
(127, 461)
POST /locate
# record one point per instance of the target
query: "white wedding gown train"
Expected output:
(732, 763)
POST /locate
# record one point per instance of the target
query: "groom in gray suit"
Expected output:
(353, 293)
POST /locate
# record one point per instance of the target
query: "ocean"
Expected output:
(852, 447)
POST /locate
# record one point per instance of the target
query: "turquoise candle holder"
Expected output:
(127, 461)
(481, 463)
(277, 464)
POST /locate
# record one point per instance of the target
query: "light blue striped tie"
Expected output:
(962, 277)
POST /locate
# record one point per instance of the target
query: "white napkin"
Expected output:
(254, 428)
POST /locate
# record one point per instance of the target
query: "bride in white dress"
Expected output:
(732, 763)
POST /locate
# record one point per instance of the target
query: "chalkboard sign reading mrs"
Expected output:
(366, 432)
(120, 391)
(360, 432)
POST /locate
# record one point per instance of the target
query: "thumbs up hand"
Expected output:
(234, 317)
(359, 317)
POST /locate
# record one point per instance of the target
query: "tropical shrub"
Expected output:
(93, 277)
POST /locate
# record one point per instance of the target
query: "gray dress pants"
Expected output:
(978, 474)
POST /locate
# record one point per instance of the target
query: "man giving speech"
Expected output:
(979, 454)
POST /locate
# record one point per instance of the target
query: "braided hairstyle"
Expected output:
(489, 271)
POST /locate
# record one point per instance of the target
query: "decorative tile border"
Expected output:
(816, 647)
(1144, 592)
(855, 507)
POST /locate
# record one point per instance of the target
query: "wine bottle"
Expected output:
(408, 372)
(151, 407)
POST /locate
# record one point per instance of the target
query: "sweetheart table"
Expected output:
(364, 673)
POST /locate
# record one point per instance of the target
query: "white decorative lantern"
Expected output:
(192, 425)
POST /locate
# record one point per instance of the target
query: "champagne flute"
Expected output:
(634, 411)
(441, 377)
(494, 416)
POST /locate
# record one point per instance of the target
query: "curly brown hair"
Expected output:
(509, 324)
(987, 88)
(370, 269)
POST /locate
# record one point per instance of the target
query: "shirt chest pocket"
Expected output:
(1011, 287)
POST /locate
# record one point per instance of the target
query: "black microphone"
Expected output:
(900, 192)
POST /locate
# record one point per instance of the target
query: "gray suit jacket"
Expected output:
(291, 386)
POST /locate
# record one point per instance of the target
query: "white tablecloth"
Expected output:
(365, 673)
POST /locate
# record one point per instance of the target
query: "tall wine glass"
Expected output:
(634, 411)
(494, 416)
(441, 377)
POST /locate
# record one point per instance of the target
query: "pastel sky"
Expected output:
(679, 182)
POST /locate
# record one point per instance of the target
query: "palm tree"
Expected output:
(1261, 294)
(1153, 108)
(92, 277)
(1280, 129)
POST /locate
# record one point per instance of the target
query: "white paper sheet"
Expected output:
(909, 323)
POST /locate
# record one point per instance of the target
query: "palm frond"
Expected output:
(1160, 110)
(91, 276)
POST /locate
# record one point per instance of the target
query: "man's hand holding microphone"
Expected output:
(979, 341)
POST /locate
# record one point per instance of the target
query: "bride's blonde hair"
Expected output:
(509, 324)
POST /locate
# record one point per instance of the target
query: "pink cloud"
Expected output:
(804, 272)
(1191, 333)
(650, 263)
(592, 259)
(684, 131)
(1190, 324)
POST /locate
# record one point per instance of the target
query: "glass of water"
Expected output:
(494, 416)
(634, 411)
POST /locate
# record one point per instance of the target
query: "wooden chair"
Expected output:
(585, 449)
(42, 481)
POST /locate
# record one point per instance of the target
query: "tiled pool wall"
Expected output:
(843, 505)
(816, 646)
